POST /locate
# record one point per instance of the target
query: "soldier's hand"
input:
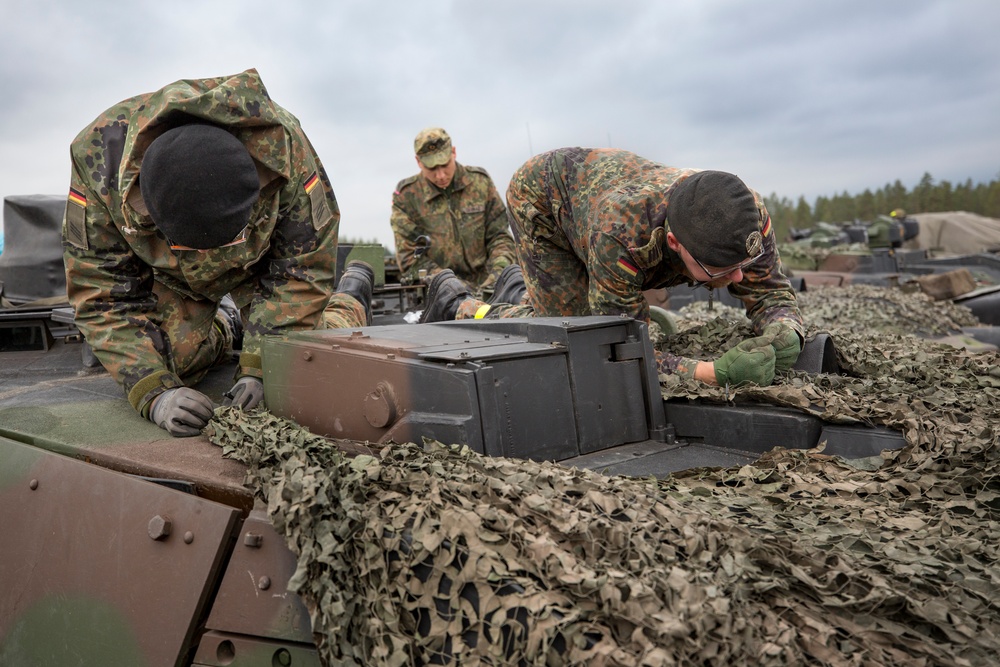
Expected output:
(750, 361)
(245, 394)
(786, 343)
(181, 411)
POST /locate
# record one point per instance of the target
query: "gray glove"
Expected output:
(181, 411)
(750, 361)
(245, 394)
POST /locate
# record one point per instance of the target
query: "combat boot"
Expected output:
(358, 280)
(509, 287)
(444, 295)
(229, 316)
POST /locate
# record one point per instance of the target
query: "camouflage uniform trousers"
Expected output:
(556, 279)
(343, 311)
(201, 338)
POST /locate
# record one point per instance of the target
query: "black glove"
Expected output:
(750, 361)
(245, 394)
(181, 411)
(786, 343)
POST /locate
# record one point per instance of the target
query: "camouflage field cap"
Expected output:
(433, 147)
(714, 215)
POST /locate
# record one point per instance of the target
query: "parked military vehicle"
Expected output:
(124, 546)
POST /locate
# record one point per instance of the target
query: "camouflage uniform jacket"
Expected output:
(284, 271)
(466, 223)
(611, 208)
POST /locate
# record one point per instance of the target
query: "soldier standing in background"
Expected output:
(449, 216)
(593, 228)
(185, 206)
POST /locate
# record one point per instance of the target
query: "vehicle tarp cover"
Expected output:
(956, 233)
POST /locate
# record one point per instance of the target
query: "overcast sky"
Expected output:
(797, 97)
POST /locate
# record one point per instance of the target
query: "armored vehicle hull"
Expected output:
(122, 545)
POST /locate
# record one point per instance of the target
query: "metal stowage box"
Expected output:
(540, 388)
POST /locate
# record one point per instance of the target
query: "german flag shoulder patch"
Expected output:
(77, 197)
(75, 220)
(628, 267)
(311, 183)
(314, 190)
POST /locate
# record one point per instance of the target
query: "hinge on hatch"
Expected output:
(630, 349)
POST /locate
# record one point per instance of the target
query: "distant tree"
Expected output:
(803, 214)
(347, 240)
(782, 214)
(944, 197)
(921, 198)
(895, 196)
(864, 205)
(969, 197)
(881, 199)
(843, 208)
(992, 205)
(821, 212)
(926, 197)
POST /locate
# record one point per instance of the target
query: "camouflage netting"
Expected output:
(443, 556)
(853, 308)
(887, 310)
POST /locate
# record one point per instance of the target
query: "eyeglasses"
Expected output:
(712, 275)
(240, 238)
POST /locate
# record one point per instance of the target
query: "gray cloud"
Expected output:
(799, 98)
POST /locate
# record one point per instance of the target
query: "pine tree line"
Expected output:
(926, 197)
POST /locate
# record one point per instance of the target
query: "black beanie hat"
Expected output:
(713, 214)
(199, 183)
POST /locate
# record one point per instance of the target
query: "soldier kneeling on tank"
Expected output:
(594, 228)
(199, 220)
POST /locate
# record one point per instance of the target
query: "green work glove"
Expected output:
(786, 343)
(750, 361)
(181, 411)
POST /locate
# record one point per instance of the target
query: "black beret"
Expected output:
(713, 214)
(199, 183)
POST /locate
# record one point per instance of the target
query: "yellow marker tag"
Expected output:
(481, 313)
